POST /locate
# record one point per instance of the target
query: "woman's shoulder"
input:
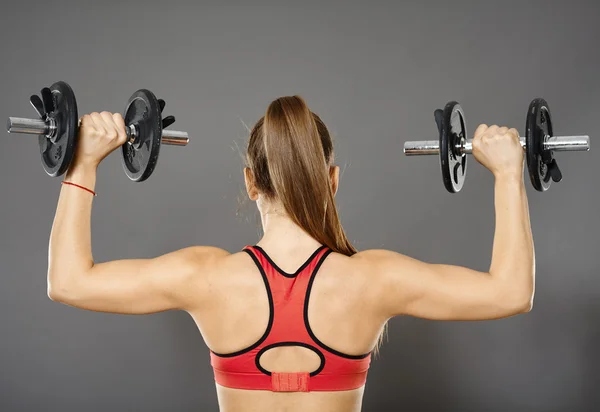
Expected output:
(378, 257)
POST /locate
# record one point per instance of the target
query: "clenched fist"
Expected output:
(499, 150)
(99, 135)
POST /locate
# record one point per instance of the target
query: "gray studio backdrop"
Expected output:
(375, 71)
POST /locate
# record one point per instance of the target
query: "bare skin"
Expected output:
(351, 299)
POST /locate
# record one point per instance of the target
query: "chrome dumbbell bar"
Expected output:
(48, 128)
(553, 143)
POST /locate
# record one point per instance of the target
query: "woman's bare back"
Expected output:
(339, 315)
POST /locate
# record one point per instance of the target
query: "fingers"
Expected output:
(87, 122)
(479, 133)
(98, 123)
(492, 130)
(109, 125)
(484, 134)
(118, 119)
(115, 127)
(480, 130)
(502, 131)
(120, 123)
(495, 130)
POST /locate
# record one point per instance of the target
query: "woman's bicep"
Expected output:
(137, 286)
(407, 286)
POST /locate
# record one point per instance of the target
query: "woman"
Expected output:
(291, 321)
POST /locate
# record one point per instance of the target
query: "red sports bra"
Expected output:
(288, 326)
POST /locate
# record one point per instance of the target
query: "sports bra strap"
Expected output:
(306, 263)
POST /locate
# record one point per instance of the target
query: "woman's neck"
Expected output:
(282, 234)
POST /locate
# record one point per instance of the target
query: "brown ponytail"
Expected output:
(290, 153)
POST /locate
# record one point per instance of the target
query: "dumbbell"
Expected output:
(58, 125)
(539, 144)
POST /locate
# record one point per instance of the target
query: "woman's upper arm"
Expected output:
(405, 286)
(177, 280)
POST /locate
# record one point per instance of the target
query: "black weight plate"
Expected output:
(537, 130)
(452, 129)
(139, 159)
(58, 151)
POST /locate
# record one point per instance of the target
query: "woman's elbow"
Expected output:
(512, 301)
(526, 304)
(59, 291)
(55, 294)
(521, 303)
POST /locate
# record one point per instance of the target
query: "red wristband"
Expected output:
(81, 187)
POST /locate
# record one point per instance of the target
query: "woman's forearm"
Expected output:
(513, 259)
(70, 249)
